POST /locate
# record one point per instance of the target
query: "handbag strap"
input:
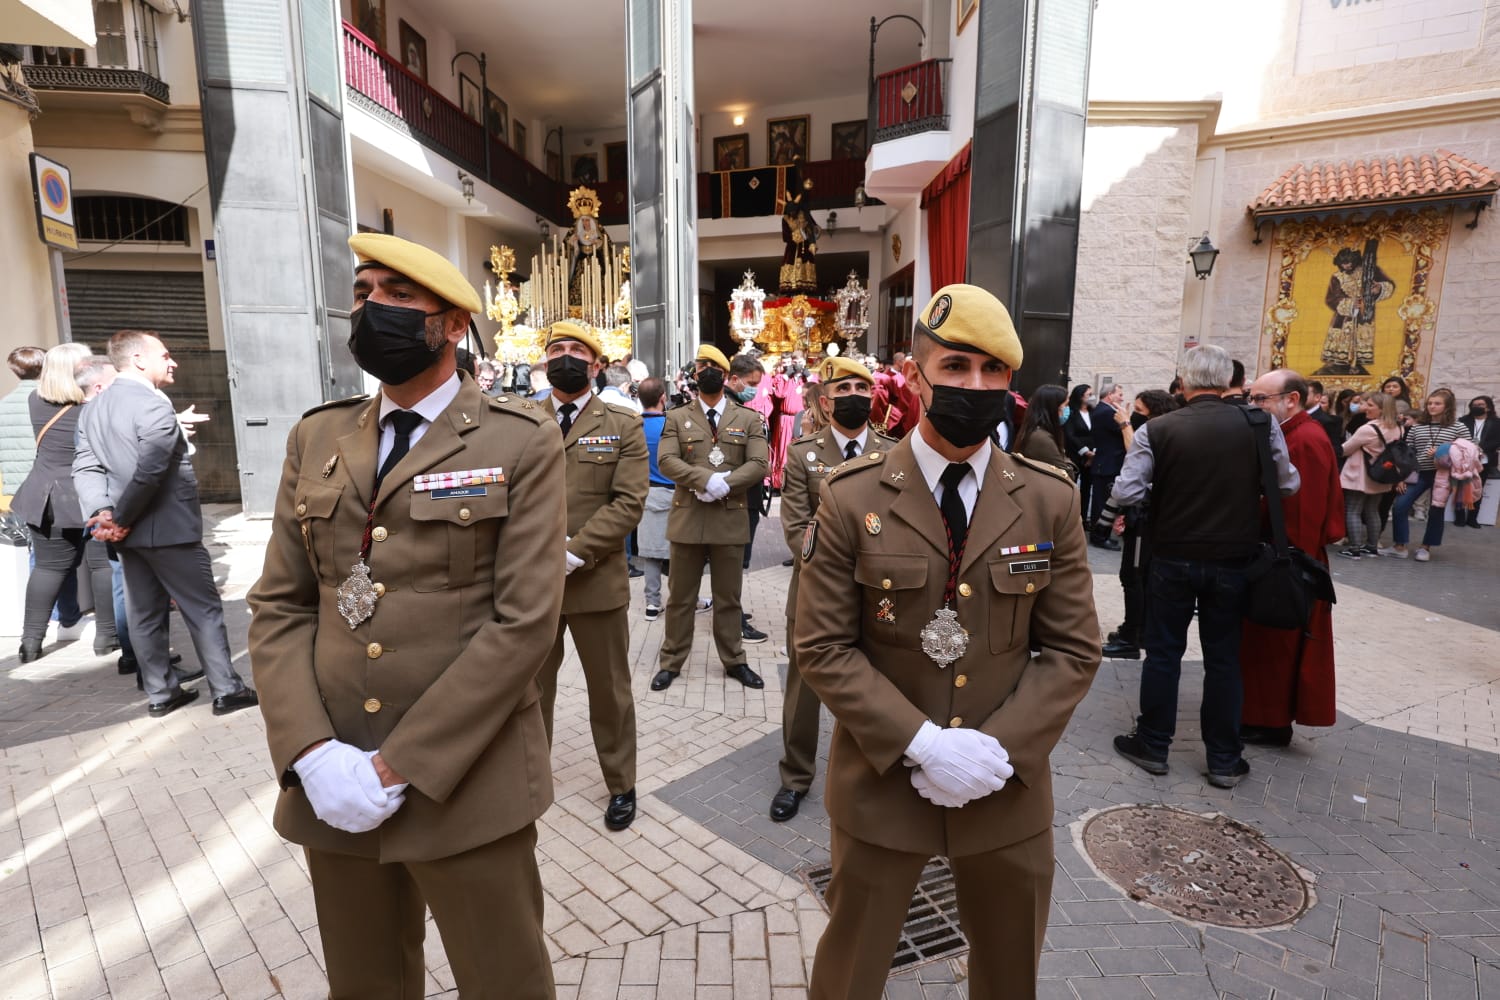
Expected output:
(1260, 424)
(48, 425)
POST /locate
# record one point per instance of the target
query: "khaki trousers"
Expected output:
(487, 903)
(725, 576)
(799, 723)
(602, 639)
(1003, 901)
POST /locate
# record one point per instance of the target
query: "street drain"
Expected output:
(931, 928)
(1209, 869)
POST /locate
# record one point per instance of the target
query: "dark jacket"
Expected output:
(1333, 427)
(1109, 442)
(1078, 436)
(47, 497)
(1488, 441)
(1205, 491)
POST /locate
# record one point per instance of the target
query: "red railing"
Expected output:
(911, 100)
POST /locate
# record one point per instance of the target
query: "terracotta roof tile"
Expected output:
(1439, 176)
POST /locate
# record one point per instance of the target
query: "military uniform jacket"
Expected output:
(441, 679)
(809, 460)
(608, 476)
(859, 646)
(683, 457)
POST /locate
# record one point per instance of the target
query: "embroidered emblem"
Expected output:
(809, 540)
(872, 523)
(328, 466)
(940, 310)
(886, 611)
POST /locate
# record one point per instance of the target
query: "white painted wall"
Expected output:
(25, 280)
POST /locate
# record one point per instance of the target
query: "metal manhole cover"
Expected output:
(931, 928)
(1205, 868)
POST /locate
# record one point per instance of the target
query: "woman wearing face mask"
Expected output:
(1485, 430)
(1041, 434)
(1078, 438)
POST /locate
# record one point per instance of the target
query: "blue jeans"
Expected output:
(1217, 589)
(1401, 511)
(122, 620)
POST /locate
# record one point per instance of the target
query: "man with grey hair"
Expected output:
(616, 389)
(1199, 468)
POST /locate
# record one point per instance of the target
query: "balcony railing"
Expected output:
(910, 100)
(96, 79)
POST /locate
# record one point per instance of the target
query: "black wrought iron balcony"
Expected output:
(96, 80)
(910, 100)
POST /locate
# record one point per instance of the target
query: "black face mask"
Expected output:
(965, 417)
(390, 342)
(567, 373)
(1477, 411)
(1137, 421)
(851, 411)
(711, 381)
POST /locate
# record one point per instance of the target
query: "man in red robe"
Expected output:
(1288, 675)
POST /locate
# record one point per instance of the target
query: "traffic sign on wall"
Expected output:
(52, 187)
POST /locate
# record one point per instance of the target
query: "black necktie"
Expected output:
(566, 423)
(713, 422)
(952, 505)
(851, 450)
(403, 422)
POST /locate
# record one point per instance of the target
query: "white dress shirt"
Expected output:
(843, 440)
(932, 466)
(718, 408)
(429, 407)
(579, 405)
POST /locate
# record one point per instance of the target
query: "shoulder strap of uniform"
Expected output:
(335, 403)
(1051, 470)
(622, 409)
(520, 406)
(869, 460)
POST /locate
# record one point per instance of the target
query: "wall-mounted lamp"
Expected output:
(833, 223)
(544, 227)
(467, 183)
(1203, 254)
(739, 120)
(859, 196)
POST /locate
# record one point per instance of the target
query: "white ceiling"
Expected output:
(568, 56)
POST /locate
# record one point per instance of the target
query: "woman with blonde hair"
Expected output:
(1362, 495)
(1436, 426)
(49, 505)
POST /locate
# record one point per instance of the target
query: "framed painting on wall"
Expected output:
(786, 139)
(413, 51)
(496, 116)
(468, 97)
(586, 168)
(732, 152)
(966, 9)
(369, 20)
(553, 165)
(519, 142)
(616, 161)
(848, 140)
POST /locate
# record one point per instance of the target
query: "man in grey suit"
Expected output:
(138, 490)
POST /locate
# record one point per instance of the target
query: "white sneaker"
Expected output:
(652, 613)
(1423, 555)
(1397, 553)
(704, 604)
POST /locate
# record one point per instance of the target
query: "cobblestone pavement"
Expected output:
(137, 857)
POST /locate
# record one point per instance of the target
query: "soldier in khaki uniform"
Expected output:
(606, 460)
(962, 558)
(845, 401)
(410, 596)
(714, 449)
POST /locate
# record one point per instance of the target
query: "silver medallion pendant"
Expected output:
(944, 639)
(357, 596)
(716, 457)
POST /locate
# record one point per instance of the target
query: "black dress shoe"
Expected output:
(1266, 736)
(30, 651)
(786, 562)
(1134, 750)
(1120, 650)
(662, 680)
(1104, 542)
(636, 572)
(243, 698)
(174, 659)
(784, 804)
(183, 696)
(744, 675)
(621, 810)
(127, 664)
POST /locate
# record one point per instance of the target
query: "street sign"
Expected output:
(52, 187)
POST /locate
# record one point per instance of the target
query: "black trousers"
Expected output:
(754, 497)
(58, 552)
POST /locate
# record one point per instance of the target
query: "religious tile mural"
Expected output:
(1351, 301)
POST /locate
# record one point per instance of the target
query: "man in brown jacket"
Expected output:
(962, 558)
(605, 457)
(847, 389)
(410, 596)
(714, 449)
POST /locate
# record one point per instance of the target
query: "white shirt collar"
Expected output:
(843, 440)
(932, 465)
(429, 406)
(718, 408)
(137, 377)
(579, 405)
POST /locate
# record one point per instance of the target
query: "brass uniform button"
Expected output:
(301, 509)
(373, 650)
(1031, 588)
(379, 589)
(463, 514)
(964, 590)
(380, 534)
(372, 705)
(956, 721)
(960, 680)
(885, 584)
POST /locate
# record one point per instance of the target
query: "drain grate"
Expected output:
(1204, 868)
(931, 928)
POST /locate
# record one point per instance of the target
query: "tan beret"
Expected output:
(835, 368)
(969, 318)
(567, 329)
(427, 268)
(711, 354)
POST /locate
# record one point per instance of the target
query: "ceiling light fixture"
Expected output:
(468, 186)
(739, 120)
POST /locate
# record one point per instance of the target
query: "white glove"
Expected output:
(925, 788)
(573, 561)
(718, 485)
(344, 790)
(963, 763)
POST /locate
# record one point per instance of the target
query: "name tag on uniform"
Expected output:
(601, 448)
(458, 493)
(1034, 566)
(733, 432)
